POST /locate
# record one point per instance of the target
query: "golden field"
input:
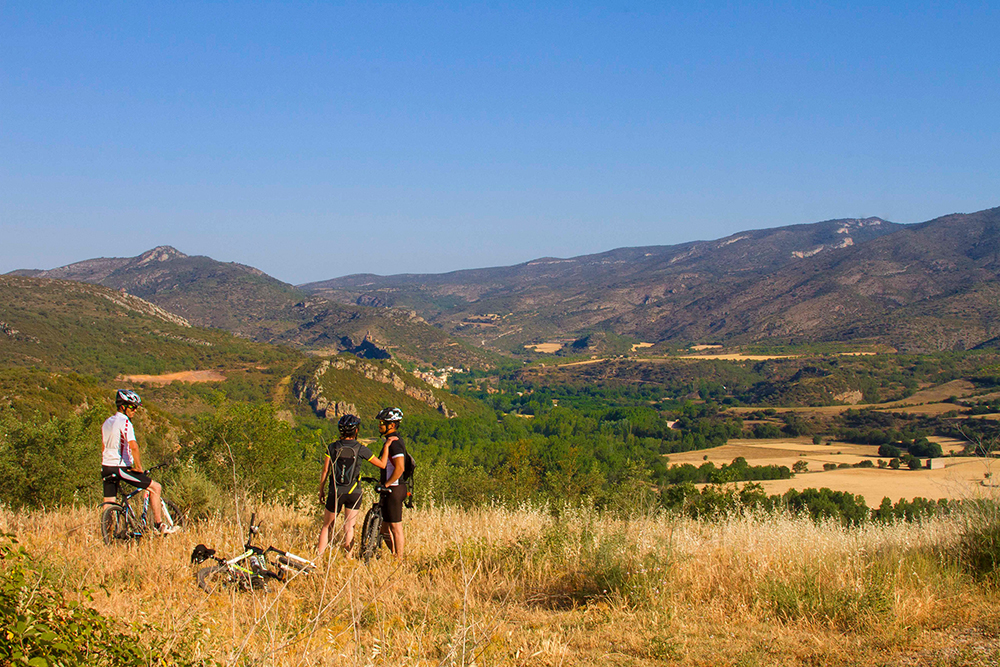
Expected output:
(963, 477)
(495, 586)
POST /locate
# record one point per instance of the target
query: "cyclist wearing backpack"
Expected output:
(343, 466)
(394, 486)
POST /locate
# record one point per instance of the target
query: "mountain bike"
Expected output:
(120, 522)
(251, 569)
(371, 529)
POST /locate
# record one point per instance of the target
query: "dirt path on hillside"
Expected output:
(182, 376)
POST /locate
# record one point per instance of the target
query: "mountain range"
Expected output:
(256, 306)
(915, 287)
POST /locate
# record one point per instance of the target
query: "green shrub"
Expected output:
(817, 598)
(41, 627)
(979, 546)
(194, 493)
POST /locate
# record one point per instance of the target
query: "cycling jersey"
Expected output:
(397, 455)
(117, 432)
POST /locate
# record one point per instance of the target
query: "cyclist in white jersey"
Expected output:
(120, 457)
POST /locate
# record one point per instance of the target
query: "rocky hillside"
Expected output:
(254, 305)
(67, 326)
(920, 287)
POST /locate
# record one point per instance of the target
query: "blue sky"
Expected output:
(315, 140)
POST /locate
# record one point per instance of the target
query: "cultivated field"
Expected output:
(961, 478)
(499, 587)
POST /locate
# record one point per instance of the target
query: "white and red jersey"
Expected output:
(117, 431)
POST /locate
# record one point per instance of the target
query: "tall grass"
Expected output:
(496, 586)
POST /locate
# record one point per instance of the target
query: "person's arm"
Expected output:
(322, 478)
(133, 447)
(382, 461)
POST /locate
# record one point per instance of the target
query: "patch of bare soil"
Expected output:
(183, 376)
(547, 348)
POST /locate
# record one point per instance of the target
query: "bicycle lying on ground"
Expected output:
(120, 522)
(251, 569)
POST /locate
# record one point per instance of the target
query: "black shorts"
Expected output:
(337, 501)
(113, 474)
(392, 504)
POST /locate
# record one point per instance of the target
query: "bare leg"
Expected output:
(393, 533)
(329, 518)
(350, 518)
(154, 502)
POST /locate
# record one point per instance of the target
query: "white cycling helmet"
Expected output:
(127, 397)
(389, 415)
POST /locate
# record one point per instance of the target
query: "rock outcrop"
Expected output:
(324, 406)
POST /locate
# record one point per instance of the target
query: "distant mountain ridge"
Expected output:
(248, 302)
(917, 287)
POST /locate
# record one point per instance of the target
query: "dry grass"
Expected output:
(501, 587)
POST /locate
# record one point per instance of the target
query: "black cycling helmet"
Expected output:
(348, 424)
(127, 397)
(389, 415)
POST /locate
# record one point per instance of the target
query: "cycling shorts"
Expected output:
(392, 504)
(337, 501)
(113, 474)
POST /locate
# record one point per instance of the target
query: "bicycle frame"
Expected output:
(137, 524)
(252, 567)
(371, 529)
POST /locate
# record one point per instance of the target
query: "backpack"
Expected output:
(409, 465)
(345, 463)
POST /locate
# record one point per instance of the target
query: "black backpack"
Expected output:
(345, 463)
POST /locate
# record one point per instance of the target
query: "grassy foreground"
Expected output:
(501, 587)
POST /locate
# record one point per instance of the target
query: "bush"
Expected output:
(41, 627)
(46, 464)
(925, 449)
(979, 546)
(889, 451)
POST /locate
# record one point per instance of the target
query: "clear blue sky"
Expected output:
(314, 140)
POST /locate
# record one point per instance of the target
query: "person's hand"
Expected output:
(321, 498)
(382, 489)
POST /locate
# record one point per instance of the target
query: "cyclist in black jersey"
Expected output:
(394, 454)
(343, 466)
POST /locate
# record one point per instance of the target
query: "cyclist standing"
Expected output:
(120, 457)
(342, 465)
(394, 454)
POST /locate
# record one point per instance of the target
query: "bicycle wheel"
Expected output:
(213, 576)
(114, 524)
(371, 534)
(172, 515)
